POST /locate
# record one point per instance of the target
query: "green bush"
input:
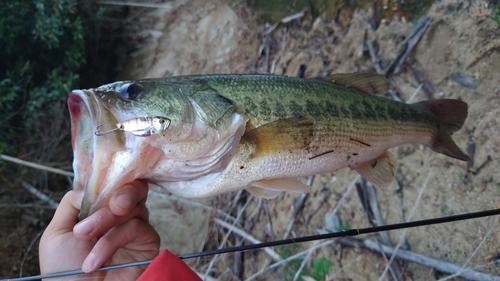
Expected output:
(496, 15)
(42, 43)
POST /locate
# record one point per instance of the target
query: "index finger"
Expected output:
(66, 215)
(127, 197)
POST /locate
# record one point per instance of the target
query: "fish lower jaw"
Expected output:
(80, 108)
(113, 169)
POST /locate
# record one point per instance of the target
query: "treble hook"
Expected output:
(98, 133)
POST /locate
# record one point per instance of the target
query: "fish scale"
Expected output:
(308, 96)
(331, 106)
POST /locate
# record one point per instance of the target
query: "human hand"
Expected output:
(116, 234)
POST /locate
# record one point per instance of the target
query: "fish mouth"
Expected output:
(103, 163)
(92, 155)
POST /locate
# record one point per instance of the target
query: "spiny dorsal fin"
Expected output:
(379, 171)
(282, 136)
(370, 83)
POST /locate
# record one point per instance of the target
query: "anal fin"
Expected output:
(273, 187)
(264, 193)
(379, 171)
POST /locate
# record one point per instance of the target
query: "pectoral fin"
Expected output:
(379, 171)
(283, 136)
(272, 188)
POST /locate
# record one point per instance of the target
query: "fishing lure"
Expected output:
(142, 126)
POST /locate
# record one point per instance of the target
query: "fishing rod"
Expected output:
(344, 233)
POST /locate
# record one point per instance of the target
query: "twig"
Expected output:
(303, 264)
(33, 241)
(257, 209)
(403, 235)
(373, 56)
(286, 19)
(396, 272)
(239, 262)
(205, 278)
(406, 48)
(224, 240)
(335, 210)
(464, 80)
(297, 206)
(236, 198)
(27, 205)
(346, 194)
(138, 4)
(283, 41)
(38, 194)
(473, 253)
(269, 220)
(415, 93)
(311, 9)
(36, 166)
(362, 194)
(471, 150)
(420, 75)
(373, 19)
(248, 237)
(437, 264)
(476, 171)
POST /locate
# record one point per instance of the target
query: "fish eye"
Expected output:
(130, 91)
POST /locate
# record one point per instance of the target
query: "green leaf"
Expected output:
(320, 268)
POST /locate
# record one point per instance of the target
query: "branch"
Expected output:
(437, 264)
(36, 166)
(38, 194)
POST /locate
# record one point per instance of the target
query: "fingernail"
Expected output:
(123, 201)
(88, 264)
(86, 226)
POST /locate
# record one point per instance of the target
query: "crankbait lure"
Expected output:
(142, 126)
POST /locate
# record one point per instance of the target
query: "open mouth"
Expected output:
(104, 162)
(82, 126)
(92, 154)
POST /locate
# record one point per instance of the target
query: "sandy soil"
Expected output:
(196, 37)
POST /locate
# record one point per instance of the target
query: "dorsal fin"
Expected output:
(370, 83)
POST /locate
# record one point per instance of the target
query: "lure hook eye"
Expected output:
(99, 133)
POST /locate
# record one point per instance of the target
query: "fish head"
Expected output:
(104, 162)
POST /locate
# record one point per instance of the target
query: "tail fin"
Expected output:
(449, 116)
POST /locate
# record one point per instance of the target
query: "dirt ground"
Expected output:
(202, 37)
(461, 38)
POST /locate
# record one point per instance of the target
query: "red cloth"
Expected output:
(168, 267)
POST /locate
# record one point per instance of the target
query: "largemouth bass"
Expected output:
(223, 133)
